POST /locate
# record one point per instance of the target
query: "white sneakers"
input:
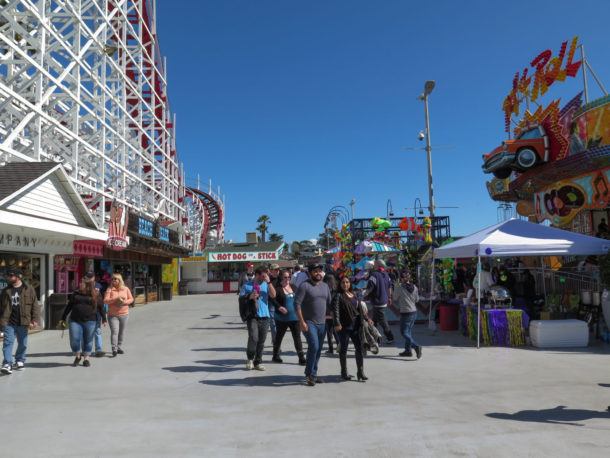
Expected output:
(6, 369)
(250, 365)
(19, 365)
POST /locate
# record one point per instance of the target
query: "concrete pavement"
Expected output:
(181, 389)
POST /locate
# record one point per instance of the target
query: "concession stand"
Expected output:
(513, 237)
(217, 270)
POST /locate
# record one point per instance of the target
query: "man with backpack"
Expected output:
(254, 309)
(379, 293)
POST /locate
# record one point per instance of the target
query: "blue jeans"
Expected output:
(81, 337)
(315, 337)
(21, 332)
(407, 320)
(98, 333)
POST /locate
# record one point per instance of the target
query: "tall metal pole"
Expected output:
(429, 153)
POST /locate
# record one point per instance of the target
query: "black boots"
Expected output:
(343, 361)
(361, 375)
(302, 360)
(276, 356)
(360, 365)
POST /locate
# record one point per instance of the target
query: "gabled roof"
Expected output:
(17, 175)
(17, 178)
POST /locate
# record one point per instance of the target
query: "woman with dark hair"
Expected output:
(83, 306)
(286, 317)
(348, 316)
(331, 281)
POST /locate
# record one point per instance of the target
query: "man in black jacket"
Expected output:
(19, 311)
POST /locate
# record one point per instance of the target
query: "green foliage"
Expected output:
(273, 237)
(263, 227)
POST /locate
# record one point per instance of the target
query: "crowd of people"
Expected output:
(89, 307)
(324, 305)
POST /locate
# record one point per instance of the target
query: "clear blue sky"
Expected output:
(293, 107)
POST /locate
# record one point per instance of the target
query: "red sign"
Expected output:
(117, 228)
(88, 248)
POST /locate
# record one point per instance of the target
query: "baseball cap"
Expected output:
(379, 263)
(315, 265)
(274, 266)
(16, 272)
(90, 274)
(249, 265)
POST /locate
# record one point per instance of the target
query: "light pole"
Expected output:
(351, 204)
(428, 87)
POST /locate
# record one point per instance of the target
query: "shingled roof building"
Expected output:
(41, 215)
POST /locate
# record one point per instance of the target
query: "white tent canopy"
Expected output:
(515, 237)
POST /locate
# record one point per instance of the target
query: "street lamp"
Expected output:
(428, 87)
(389, 211)
(351, 204)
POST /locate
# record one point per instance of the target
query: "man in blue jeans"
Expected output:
(19, 310)
(406, 295)
(311, 302)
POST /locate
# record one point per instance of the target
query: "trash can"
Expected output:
(448, 317)
(167, 291)
(183, 287)
(57, 305)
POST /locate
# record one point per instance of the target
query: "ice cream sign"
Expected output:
(545, 70)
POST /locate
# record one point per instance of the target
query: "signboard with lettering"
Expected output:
(251, 256)
(117, 228)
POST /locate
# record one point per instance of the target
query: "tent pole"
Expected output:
(431, 289)
(479, 268)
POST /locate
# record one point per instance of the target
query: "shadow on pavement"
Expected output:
(242, 349)
(605, 385)
(202, 369)
(268, 380)
(42, 355)
(46, 365)
(211, 317)
(558, 415)
(214, 329)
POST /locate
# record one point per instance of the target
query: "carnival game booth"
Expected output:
(511, 238)
(218, 269)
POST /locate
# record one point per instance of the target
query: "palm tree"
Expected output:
(273, 237)
(263, 227)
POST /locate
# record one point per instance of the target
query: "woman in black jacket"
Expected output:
(348, 316)
(83, 306)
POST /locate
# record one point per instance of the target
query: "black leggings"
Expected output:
(330, 332)
(282, 326)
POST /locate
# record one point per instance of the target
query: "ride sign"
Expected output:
(547, 70)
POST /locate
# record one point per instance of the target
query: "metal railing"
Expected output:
(561, 281)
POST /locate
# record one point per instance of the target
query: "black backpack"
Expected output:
(247, 308)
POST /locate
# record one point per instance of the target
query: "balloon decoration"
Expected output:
(345, 255)
(379, 224)
(409, 224)
(426, 226)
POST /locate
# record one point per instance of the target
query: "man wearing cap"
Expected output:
(406, 295)
(19, 311)
(379, 293)
(311, 302)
